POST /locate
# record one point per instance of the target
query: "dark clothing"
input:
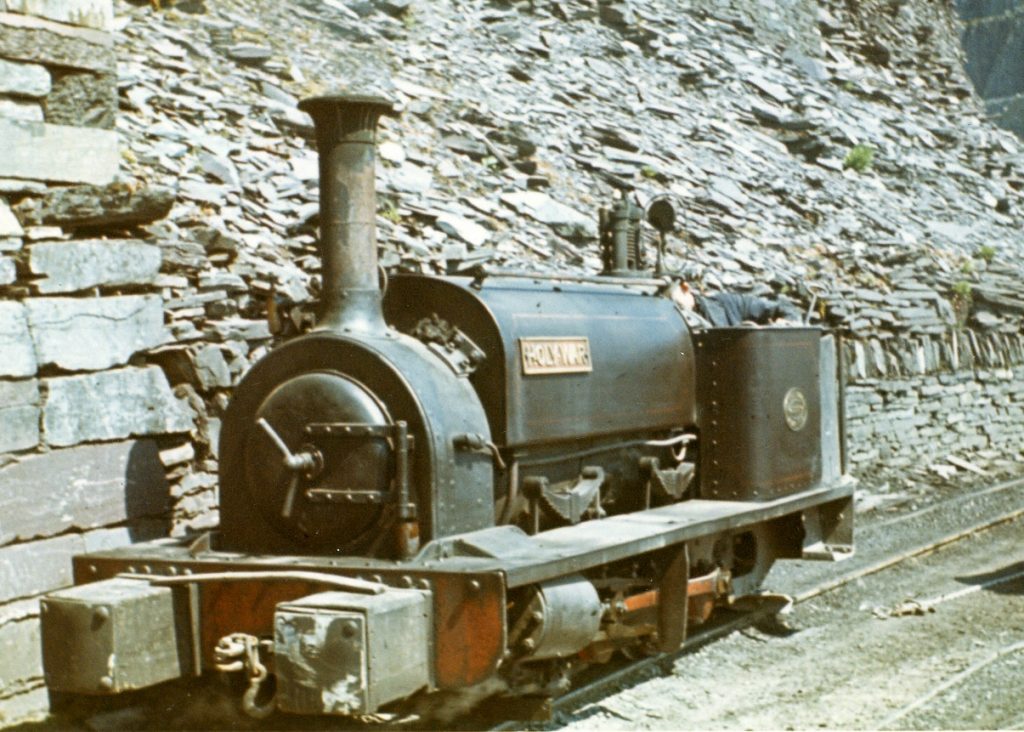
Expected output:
(726, 308)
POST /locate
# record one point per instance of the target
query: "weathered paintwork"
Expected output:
(641, 378)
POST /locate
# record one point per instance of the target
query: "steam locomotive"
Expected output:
(471, 485)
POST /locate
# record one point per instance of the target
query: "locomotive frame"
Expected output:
(567, 509)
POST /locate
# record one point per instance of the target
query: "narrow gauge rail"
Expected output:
(764, 607)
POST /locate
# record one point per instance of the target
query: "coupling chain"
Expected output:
(241, 652)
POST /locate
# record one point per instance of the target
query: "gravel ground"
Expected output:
(853, 663)
(850, 663)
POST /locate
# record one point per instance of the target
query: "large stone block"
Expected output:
(83, 99)
(113, 205)
(38, 566)
(88, 334)
(97, 14)
(112, 405)
(9, 226)
(79, 265)
(18, 109)
(24, 707)
(21, 667)
(19, 422)
(86, 487)
(8, 270)
(17, 354)
(37, 40)
(57, 153)
(24, 80)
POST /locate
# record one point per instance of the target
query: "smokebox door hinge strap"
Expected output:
(402, 443)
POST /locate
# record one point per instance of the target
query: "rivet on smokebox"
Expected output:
(106, 682)
(474, 586)
(101, 615)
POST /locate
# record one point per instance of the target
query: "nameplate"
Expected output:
(555, 355)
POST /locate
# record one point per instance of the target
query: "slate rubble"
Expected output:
(518, 119)
(746, 130)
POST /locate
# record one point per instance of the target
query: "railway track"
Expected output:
(1003, 503)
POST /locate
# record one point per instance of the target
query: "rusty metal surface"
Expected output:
(760, 411)
(346, 137)
(673, 590)
(345, 653)
(244, 607)
(468, 601)
(641, 376)
(469, 619)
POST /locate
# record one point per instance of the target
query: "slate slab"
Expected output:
(82, 99)
(95, 206)
(17, 355)
(22, 666)
(88, 334)
(98, 14)
(10, 227)
(19, 420)
(57, 153)
(87, 486)
(37, 40)
(24, 79)
(78, 265)
(112, 405)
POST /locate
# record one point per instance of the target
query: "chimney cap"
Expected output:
(314, 104)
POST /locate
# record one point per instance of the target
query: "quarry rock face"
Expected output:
(993, 38)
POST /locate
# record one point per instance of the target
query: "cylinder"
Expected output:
(346, 129)
(569, 617)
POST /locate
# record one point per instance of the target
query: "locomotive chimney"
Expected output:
(346, 130)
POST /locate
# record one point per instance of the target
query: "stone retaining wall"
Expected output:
(910, 404)
(83, 415)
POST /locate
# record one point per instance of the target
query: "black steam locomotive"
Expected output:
(476, 485)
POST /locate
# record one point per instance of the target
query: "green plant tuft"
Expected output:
(987, 253)
(649, 171)
(859, 158)
(962, 289)
(961, 301)
(389, 212)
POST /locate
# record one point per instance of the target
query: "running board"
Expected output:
(525, 559)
